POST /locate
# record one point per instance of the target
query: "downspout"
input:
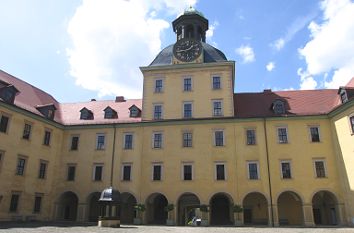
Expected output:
(268, 170)
(113, 152)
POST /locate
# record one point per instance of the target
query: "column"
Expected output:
(308, 214)
(341, 214)
(275, 215)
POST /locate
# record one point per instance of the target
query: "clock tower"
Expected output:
(190, 29)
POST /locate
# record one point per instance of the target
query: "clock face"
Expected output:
(187, 50)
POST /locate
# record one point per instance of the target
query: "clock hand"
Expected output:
(183, 50)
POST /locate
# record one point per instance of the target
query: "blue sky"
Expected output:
(82, 49)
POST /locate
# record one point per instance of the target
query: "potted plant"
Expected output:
(237, 209)
(140, 209)
(205, 210)
(169, 209)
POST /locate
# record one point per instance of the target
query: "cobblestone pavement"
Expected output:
(85, 228)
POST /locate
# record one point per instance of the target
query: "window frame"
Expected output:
(184, 109)
(310, 127)
(42, 174)
(13, 208)
(183, 174)
(71, 174)
(213, 82)
(2, 156)
(95, 177)
(216, 164)
(154, 140)
(21, 166)
(254, 136)
(47, 137)
(215, 142)
(157, 115)
(187, 142)
(126, 144)
(123, 177)
(290, 169)
(6, 129)
(100, 145)
(219, 111)
(279, 140)
(351, 123)
(256, 162)
(72, 148)
(158, 89)
(323, 161)
(187, 87)
(159, 164)
(26, 134)
(37, 207)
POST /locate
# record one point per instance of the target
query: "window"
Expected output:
(158, 85)
(251, 136)
(219, 138)
(71, 172)
(285, 169)
(187, 139)
(351, 119)
(282, 135)
(278, 107)
(15, 197)
(109, 113)
(128, 141)
(216, 82)
(97, 172)
(46, 140)
(217, 108)
(156, 172)
(127, 169)
(74, 143)
(253, 170)
(27, 131)
(134, 111)
(220, 172)
(320, 168)
(343, 96)
(21, 163)
(37, 203)
(315, 134)
(187, 110)
(187, 84)
(157, 140)
(157, 111)
(86, 114)
(4, 121)
(100, 141)
(1, 158)
(42, 169)
(187, 172)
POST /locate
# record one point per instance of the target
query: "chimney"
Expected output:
(267, 91)
(120, 99)
(93, 100)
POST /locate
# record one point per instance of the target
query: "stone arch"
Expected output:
(127, 211)
(67, 206)
(255, 209)
(290, 208)
(220, 209)
(325, 208)
(155, 209)
(93, 206)
(187, 207)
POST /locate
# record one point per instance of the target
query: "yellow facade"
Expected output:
(270, 198)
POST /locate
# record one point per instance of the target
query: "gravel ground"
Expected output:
(86, 228)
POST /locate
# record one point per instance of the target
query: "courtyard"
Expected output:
(38, 227)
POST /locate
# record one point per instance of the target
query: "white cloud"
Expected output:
(291, 31)
(307, 81)
(111, 39)
(332, 43)
(210, 33)
(247, 53)
(270, 66)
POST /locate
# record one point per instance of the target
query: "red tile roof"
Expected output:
(297, 103)
(350, 83)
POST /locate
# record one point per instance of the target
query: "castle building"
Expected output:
(286, 157)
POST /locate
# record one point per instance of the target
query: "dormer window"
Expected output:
(343, 96)
(109, 113)
(279, 107)
(47, 110)
(134, 111)
(86, 114)
(8, 93)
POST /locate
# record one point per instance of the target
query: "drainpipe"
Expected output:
(113, 152)
(268, 170)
